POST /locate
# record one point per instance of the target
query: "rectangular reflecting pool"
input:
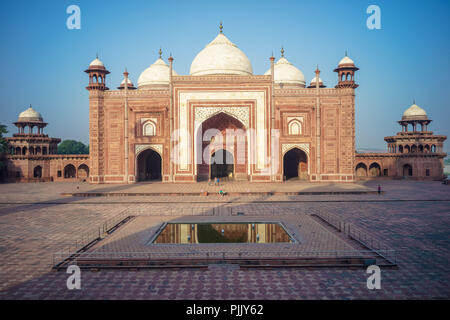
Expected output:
(192, 233)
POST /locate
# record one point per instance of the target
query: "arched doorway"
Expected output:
(295, 165)
(149, 165)
(83, 172)
(374, 170)
(361, 170)
(407, 170)
(217, 133)
(69, 171)
(221, 165)
(37, 172)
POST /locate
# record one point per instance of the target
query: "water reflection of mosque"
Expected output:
(222, 233)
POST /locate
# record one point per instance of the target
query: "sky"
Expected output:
(42, 61)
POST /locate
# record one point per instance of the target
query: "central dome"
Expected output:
(221, 56)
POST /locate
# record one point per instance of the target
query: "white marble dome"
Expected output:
(221, 56)
(414, 112)
(30, 115)
(346, 60)
(96, 63)
(286, 73)
(156, 74)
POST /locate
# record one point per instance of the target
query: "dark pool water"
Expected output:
(222, 233)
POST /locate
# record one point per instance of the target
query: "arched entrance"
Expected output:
(83, 172)
(216, 134)
(375, 170)
(69, 171)
(361, 170)
(221, 165)
(407, 170)
(295, 165)
(149, 165)
(37, 172)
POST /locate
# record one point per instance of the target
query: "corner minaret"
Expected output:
(97, 75)
(97, 151)
(346, 73)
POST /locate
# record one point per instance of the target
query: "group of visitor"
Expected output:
(217, 183)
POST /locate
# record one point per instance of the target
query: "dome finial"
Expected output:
(414, 101)
(221, 27)
(282, 52)
(160, 52)
(346, 53)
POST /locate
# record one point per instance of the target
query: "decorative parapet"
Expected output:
(221, 78)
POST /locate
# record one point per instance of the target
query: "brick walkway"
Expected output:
(35, 222)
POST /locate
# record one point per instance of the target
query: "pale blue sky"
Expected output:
(42, 62)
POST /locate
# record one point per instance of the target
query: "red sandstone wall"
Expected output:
(394, 163)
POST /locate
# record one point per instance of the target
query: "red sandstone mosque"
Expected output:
(222, 120)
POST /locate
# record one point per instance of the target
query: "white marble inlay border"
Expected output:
(203, 113)
(141, 147)
(183, 138)
(288, 146)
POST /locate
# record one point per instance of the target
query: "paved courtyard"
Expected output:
(411, 217)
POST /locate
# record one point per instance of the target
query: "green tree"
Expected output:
(72, 147)
(3, 147)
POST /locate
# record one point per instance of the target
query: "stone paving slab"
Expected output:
(17, 193)
(311, 236)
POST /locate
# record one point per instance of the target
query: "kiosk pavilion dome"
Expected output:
(96, 63)
(221, 56)
(157, 74)
(346, 61)
(30, 115)
(414, 112)
(286, 73)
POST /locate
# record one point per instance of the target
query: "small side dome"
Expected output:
(286, 73)
(129, 84)
(414, 112)
(312, 84)
(156, 74)
(128, 81)
(30, 115)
